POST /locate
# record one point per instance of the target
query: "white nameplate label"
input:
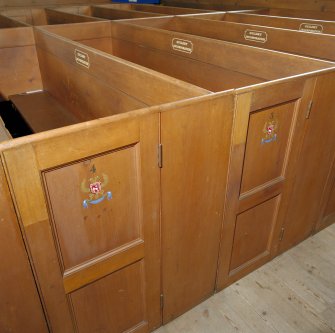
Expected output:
(255, 36)
(82, 58)
(308, 27)
(182, 45)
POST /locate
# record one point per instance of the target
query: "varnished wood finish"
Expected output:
(317, 153)
(109, 13)
(293, 23)
(233, 5)
(259, 189)
(18, 55)
(46, 16)
(161, 36)
(185, 209)
(271, 38)
(165, 10)
(110, 73)
(139, 144)
(307, 14)
(196, 159)
(42, 112)
(20, 307)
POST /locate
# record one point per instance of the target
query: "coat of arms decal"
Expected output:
(95, 188)
(270, 130)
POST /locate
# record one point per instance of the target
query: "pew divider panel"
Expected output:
(20, 306)
(268, 130)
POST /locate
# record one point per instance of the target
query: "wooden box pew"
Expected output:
(107, 13)
(271, 88)
(306, 14)
(316, 45)
(19, 69)
(165, 10)
(6, 22)
(87, 194)
(215, 26)
(211, 6)
(292, 23)
(46, 16)
(306, 187)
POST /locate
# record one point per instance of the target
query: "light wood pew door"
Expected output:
(196, 147)
(267, 133)
(20, 306)
(89, 202)
(314, 176)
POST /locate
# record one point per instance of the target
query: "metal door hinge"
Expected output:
(162, 301)
(281, 236)
(309, 109)
(160, 155)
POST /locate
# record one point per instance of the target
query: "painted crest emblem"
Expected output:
(95, 188)
(270, 130)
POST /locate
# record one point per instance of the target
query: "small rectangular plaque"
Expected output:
(310, 27)
(182, 45)
(255, 36)
(82, 58)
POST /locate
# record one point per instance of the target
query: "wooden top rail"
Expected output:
(310, 44)
(6, 22)
(265, 64)
(307, 14)
(45, 16)
(166, 10)
(306, 25)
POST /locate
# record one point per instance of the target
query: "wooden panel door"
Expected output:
(20, 306)
(267, 134)
(196, 146)
(89, 202)
(314, 166)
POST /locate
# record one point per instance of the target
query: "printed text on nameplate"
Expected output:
(82, 58)
(255, 36)
(182, 45)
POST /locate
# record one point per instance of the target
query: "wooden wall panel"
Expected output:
(19, 65)
(322, 5)
(28, 3)
(20, 307)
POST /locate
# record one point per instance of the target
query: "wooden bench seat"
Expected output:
(42, 112)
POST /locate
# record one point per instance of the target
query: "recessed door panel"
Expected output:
(114, 303)
(267, 144)
(95, 205)
(253, 230)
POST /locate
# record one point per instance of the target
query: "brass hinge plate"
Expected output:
(160, 155)
(162, 301)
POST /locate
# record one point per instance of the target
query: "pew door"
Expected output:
(88, 198)
(267, 136)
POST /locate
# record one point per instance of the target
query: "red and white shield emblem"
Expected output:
(95, 187)
(270, 129)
